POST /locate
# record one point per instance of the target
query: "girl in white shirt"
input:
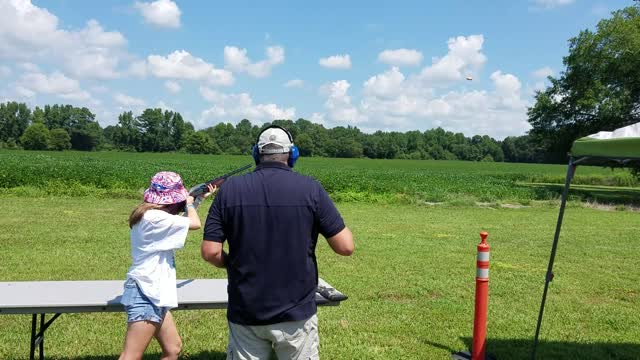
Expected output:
(150, 290)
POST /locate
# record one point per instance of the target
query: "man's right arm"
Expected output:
(212, 253)
(214, 235)
(331, 225)
(342, 242)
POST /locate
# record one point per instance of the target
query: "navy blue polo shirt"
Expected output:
(271, 219)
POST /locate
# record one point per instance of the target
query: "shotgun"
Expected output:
(202, 188)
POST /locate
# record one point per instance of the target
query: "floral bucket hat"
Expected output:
(166, 188)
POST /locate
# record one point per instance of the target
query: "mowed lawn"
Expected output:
(410, 281)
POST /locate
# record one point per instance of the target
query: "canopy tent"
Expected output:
(621, 148)
(622, 145)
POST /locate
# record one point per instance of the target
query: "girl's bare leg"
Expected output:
(167, 335)
(138, 336)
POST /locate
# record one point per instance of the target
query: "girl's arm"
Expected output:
(194, 219)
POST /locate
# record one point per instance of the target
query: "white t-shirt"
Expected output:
(153, 241)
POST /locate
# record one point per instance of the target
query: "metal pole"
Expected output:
(570, 172)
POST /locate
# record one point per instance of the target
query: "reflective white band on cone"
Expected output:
(483, 256)
(482, 273)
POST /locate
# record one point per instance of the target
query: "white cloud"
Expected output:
(94, 63)
(94, 35)
(336, 62)
(234, 107)
(550, 4)
(105, 117)
(507, 91)
(29, 67)
(162, 105)
(385, 85)
(236, 59)
(24, 92)
(163, 13)
(128, 101)
(179, 65)
(463, 58)
(393, 101)
(339, 107)
(294, 83)
(26, 29)
(5, 71)
(482, 112)
(540, 80)
(537, 86)
(543, 73)
(172, 86)
(401, 57)
(28, 32)
(56, 83)
(317, 118)
(138, 68)
(182, 65)
(100, 89)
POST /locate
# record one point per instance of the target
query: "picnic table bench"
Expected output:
(59, 297)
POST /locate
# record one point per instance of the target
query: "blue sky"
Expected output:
(399, 65)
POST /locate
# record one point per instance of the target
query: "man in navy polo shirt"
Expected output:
(271, 219)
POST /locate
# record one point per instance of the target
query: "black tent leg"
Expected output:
(570, 172)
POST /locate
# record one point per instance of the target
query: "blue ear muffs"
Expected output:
(294, 153)
(255, 153)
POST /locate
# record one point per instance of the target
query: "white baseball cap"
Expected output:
(276, 136)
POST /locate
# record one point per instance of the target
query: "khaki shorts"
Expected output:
(295, 340)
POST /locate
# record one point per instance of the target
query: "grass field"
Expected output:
(123, 175)
(410, 280)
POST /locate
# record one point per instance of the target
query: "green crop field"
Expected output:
(388, 181)
(410, 282)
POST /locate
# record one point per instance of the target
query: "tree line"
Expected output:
(61, 127)
(57, 127)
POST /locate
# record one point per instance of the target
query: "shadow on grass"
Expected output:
(513, 349)
(599, 194)
(208, 355)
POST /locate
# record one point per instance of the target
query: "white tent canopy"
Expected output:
(625, 132)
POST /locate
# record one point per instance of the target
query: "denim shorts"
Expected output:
(138, 306)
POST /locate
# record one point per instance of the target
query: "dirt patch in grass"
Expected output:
(513, 206)
(611, 207)
(397, 297)
(628, 295)
(431, 203)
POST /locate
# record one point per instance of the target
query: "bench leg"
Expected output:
(38, 338)
(33, 337)
(42, 328)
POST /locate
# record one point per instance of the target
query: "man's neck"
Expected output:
(273, 163)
